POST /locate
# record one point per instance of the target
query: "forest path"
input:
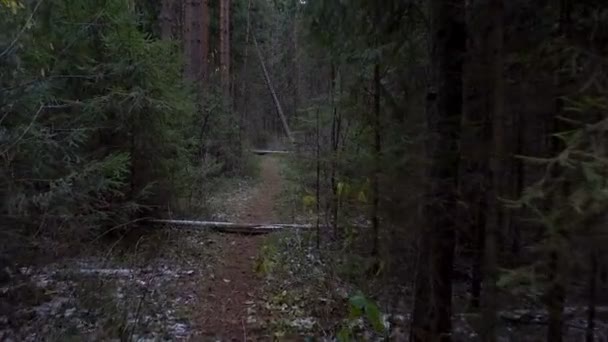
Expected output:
(235, 286)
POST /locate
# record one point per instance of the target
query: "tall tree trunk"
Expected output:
(336, 124)
(433, 312)
(187, 39)
(556, 289)
(245, 85)
(556, 296)
(591, 296)
(205, 40)
(498, 165)
(475, 144)
(225, 46)
(519, 181)
(377, 159)
(318, 178)
(166, 19)
(296, 68)
(196, 52)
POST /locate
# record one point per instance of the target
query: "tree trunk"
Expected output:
(196, 40)
(166, 19)
(556, 297)
(377, 159)
(498, 165)
(205, 41)
(244, 86)
(336, 124)
(187, 39)
(296, 68)
(225, 46)
(433, 311)
(556, 289)
(591, 296)
(318, 178)
(475, 144)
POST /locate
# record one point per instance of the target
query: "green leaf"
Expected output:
(374, 316)
(344, 335)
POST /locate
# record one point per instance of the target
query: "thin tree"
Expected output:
(336, 127)
(318, 177)
(375, 183)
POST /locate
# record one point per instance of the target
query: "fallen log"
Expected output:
(263, 152)
(242, 228)
(239, 228)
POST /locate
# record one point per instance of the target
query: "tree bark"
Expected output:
(556, 287)
(475, 145)
(187, 39)
(591, 297)
(205, 41)
(318, 177)
(166, 19)
(495, 224)
(433, 310)
(196, 39)
(336, 126)
(377, 124)
(225, 46)
(245, 85)
(296, 68)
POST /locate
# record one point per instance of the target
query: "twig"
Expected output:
(137, 315)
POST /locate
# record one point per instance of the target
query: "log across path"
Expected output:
(225, 299)
(235, 227)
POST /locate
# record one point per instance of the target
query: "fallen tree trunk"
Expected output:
(262, 152)
(230, 227)
(238, 228)
(273, 92)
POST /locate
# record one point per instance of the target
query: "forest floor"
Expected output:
(168, 284)
(228, 298)
(176, 284)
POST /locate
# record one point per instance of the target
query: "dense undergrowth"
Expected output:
(98, 129)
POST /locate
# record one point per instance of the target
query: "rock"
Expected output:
(303, 323)
(179, 329)
(69, 312)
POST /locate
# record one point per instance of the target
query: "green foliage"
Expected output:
(361, 307)
(96, 124)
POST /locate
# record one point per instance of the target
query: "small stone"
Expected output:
(69, 312)
(179, 329)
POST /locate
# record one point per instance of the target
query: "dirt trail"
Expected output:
(227, 296)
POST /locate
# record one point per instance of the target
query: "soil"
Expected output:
(227, 297)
